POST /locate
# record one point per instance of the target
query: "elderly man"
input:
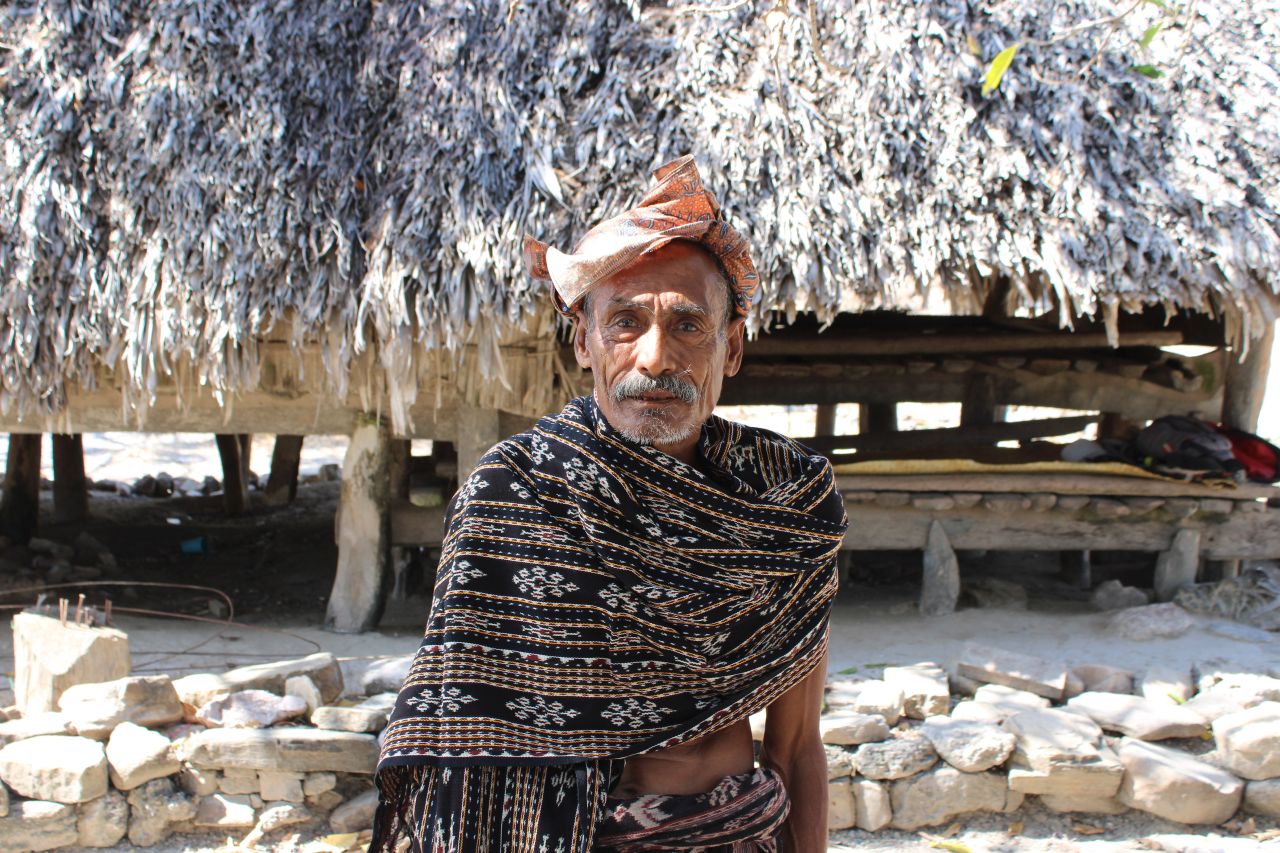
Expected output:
(623, 585)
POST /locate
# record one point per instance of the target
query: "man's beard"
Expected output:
(656, 430)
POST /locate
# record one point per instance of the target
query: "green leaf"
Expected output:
(999, 65)
(1147, 71)
(1150, 34)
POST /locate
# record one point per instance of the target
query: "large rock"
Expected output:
(153, 809)
(304, 689)
(356, 813)
(225, 811)
(1061, 754)
(969, 746)
(880, 697)
(1010, 699)
(1113, 595)
(57, 656)
(280, 786)
(37, 825)
(104, 821)
(840, 808)
(1137, 716)
(839, 762)
(238, 780)
(895, 759)
(1231, 692)
(1248, 741)
(1262, 797)
(196, 781)
(873, 809)
(1166, 684)
(1013, 669)
(95, 709)
(924, 689)
(295, 749)
(250, 709)
(61, 768)
(386, 674)
(369, 716)
(322, 668)
(852, 729)
(1151, 622)
(136, 755)
(1175, 786)
(36, 725)
(1101, 678)
(943, 793)
(279, 815)
(1083, 804)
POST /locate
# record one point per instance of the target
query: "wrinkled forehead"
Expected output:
(682, 267)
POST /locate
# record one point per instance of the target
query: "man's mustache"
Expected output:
(637, 384)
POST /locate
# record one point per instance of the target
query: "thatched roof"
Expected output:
(177, 176)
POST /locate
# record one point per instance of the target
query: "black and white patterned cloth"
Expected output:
(598, 599)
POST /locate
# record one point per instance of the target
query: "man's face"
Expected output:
(659, 346)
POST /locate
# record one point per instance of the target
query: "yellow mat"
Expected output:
(968, 466)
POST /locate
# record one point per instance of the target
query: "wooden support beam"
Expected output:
(824, 419)
(235, 487)
(1076, 568)
(877, 418)
(1247, 382)
(1053, 483)
(363, 529)
(978, 408)
(70, 490)
(923, 439)
(478, 431)
(246, 451)
(20, 505)
(1178, 565)
(940, 584)
(948, 343)
(282, 482)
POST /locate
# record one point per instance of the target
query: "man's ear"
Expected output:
(580, 351)
(736, 338)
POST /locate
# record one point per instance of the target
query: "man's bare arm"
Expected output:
(793, 747)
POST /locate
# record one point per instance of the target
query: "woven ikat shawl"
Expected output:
(597, 598)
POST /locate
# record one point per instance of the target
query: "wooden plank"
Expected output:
(1241, 535)
(70, 491)
(1063, 484)
(922, 439)
(360, 585)
(20, 505)
(282, 482)
(948, 343)
(1246, 382)
(235, 486)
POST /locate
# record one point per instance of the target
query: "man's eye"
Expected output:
(688, 326)
(624, 322)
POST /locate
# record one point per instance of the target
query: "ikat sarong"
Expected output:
(598, 599)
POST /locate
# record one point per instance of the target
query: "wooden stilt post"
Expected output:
(877, 417)
(235, 488)
(1246, 382)
(979, 404)
(364, 533)
(282, 482)
(246, 450)
(940, 588)
(1177, 567)
(70, 491)
(478, 431)
(824, 419)
(399, 462)
(20, 506)
(1076, 568)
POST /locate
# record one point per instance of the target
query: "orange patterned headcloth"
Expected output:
(676, 208)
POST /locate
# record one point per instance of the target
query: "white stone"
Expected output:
(979, 712)
(1061, 754)
(103, 822)
(969, 746)
(238, 780)
(95, 709)
(4, 800)
(1101, 678)
(924, 688)
(1137, 716)
(1013, 669)
(318, 783)
(852, 729)
(322, 668)
(873, 809)
(296, 749)
(281, 814)
(895, 759)
(60, 768)
(250, 709)
(351, 718)
(225, 811)
(33, 825)
(1175, 786)
(136, 755)
(386, 674)
(840, 807)
(1083, 804)
(302, 687)
(1165, 684)
(943, 793)
(325, 801)
(839, 762)
(1151, 622)
(35, 725)
(1262, 796)
(197, 782)
(1009, 699)
(879, 697)
(1248, 741)
(842, 692)
(153, 809)
(282, 786)
(355, 814)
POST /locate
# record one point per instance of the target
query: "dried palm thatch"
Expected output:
(180, 175)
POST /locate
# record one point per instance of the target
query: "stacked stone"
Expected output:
(253, 750)
(920, 747)
(48, 561)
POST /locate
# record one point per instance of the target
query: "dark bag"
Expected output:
(1260, 458)
(1176, 441)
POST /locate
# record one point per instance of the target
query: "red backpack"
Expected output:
(1260, 458)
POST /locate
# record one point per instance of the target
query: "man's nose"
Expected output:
(654, 353)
